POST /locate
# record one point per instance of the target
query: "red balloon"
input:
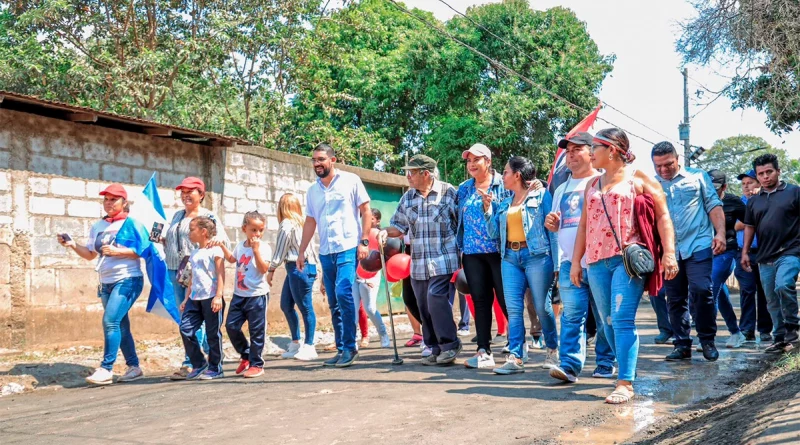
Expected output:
(363, 273)
(373, 239)
(398, 267)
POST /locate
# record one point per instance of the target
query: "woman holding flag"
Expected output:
(121, 284)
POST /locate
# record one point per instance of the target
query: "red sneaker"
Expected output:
(415, 341)
(254, 371)
(243, 366)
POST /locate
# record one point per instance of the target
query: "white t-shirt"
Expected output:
(568, 199)
(249, 281)
(111, 269)
(204, 272)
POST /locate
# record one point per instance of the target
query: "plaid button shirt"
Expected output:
(431, 223)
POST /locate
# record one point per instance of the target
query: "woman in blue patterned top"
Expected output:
(480, 253)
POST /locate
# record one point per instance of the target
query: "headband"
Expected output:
(627, 155)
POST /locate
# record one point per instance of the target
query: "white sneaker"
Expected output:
(386, 341)
(481, 360)
(525, 353)
(552, 360)
(133, 373)
(512, 366)
(305, 353)
(735, 341)
(293, 348)
(101, 376)
(463, 332)
(426, 352)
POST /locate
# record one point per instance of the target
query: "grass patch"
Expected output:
(790, 361)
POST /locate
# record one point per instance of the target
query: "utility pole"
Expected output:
(683, 128)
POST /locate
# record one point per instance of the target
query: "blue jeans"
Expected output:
(521, 271)
(617, 296)
(720, 271)
(779, 281)
(753, 300)
(659, 304)
(339, 275)
(578, 301)
(298, 290)
(180, 294)
(118, 298)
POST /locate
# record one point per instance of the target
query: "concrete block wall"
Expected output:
(51, 173)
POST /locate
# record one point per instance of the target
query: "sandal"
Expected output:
(416, 339)
(622, 394)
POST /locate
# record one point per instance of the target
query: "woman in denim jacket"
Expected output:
(528, 251)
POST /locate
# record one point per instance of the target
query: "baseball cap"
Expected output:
(477, 150)
(420, 162)
(749, 174)
(717, 178)
(191, 183)
(115, 190)
(580, 138)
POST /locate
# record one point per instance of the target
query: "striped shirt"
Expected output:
(175, 253)
(431, 223)
(287, 246)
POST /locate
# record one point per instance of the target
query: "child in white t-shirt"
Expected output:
(203, 301)
(250, 295)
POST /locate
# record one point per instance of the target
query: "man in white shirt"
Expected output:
(339, 205)
(578, 301)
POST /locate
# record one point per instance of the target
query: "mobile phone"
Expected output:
(155, 232)
(65, 237)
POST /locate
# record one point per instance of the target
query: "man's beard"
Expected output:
(325, 172)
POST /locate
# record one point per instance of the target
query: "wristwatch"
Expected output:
(364, 242)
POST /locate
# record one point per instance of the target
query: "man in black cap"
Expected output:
(734, 210)
(752, 298)
(427, 213)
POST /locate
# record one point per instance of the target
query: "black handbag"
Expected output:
(638, 260)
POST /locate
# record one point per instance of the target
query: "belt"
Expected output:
(516, 245)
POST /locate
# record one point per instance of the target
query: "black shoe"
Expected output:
(710, 352)
(765, 337)
(347, 359)
(791, 337)
(679, 354)
(333, 361)
(779, 347)
(749, 336)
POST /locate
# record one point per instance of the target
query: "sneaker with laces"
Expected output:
(429, 360)
(735, 341)
(447, 357)
(552, 360)
(565, 375)
(133, 373)
(243, 365)
(253, 372)
(197, 372)
(293, 348)
(463, 332)
(101, 376)
(603, 372)
(481, 360)
(306, 352)
(211, 375)
(537, 343)
(710, 352)
(386, 341)
(427, 352)
(513, 365)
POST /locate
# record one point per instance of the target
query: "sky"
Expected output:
(646, 82)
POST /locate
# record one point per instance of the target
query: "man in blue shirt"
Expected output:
(699, 222)
(334, 204)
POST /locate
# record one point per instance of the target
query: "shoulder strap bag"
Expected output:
(638, 261)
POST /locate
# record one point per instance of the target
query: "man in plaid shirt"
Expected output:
(427, 213)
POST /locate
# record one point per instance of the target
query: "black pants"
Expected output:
(409, 298)
(438, 327)
(485, 281)
(692, 283)
(253, 310)
(195, 313)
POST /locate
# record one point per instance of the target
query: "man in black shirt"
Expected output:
(774, 216)
(734, 210)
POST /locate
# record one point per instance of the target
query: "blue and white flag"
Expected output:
(145, 223)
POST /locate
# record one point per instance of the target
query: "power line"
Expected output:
(528, 56)
(503, 67)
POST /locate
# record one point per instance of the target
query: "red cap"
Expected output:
(192, 183)
(115, 190)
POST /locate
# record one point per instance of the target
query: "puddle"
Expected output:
(624, 422)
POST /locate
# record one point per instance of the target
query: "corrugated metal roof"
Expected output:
(33, 104)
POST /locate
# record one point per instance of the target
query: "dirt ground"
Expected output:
(373, 402)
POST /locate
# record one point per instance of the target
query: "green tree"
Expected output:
(760, 38)
(735, 155)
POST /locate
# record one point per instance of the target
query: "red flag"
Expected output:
(559, 166)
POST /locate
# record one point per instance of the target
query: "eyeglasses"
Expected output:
(319, 160)
(597, 146)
